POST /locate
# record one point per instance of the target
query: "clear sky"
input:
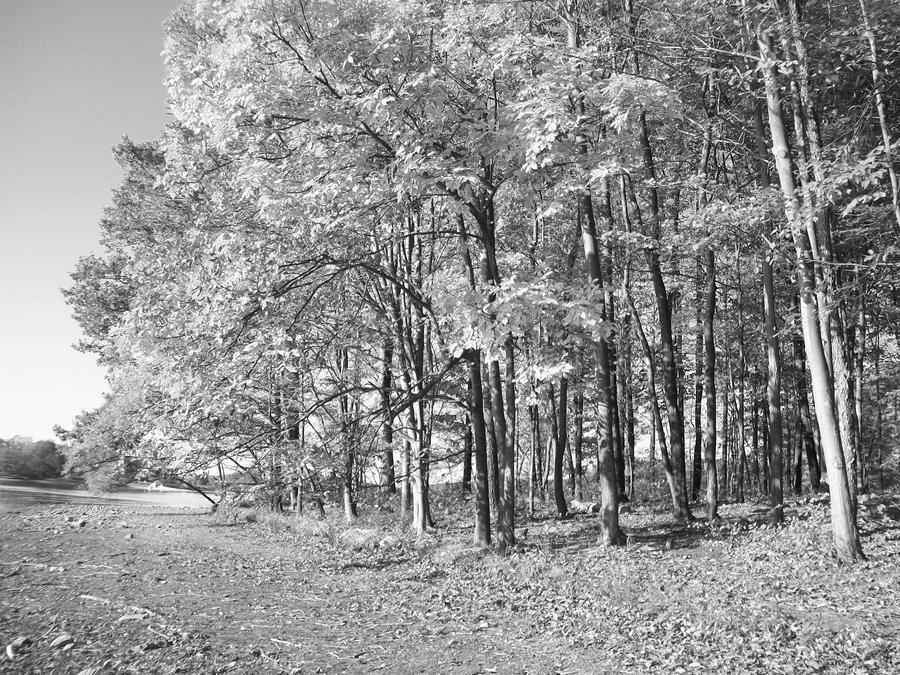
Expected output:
(75, 76)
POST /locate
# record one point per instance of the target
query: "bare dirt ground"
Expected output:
(136, 589)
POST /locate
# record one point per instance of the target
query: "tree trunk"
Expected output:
(880, 106)
(627, 398)
(482, 532)
(560, 430)
(858, 361)
(724, 484)
(742, 376)
(503, 427)
(805, 416)
(388, 481)
(347, 438)
(578, 445)
(845, 534)
(606, 476)
(667, 342)
(776, 491)
(467, 450)
(709, 386)
(538, 449)
(493, 463)
(755, 440)
(697, 465)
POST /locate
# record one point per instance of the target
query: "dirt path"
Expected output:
(141, 590)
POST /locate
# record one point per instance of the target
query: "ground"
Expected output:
(118, 589)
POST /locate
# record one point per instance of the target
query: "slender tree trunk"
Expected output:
(578, 445)
(493, 463)
(878, 85)
(482, 532)
(709, 386)
(503, 427)
(560, 429)
(822, 249)
(627, 469)
(347, 439)
(628, 402)
(724, 484)
(858, 362)
(467, 451)
(606, 476)
(677, 481)
(658, 434)
(805, 416)
(538, 450)
(846, 536)
(742, 376)
(797, 450)
(776, 491)
(388, 481)
(697, 467)
(533, 474)
(755, 440)
(666, 335)
(616, 428)
(417, 473)
(765, 457)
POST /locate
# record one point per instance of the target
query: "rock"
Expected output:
(90, 671)
(389, 542)
(359, 538)
(62, 640)
(17, 645)
(129, 536)
(623, 508)
(584, 507)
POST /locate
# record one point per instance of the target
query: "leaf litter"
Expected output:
(282, 595)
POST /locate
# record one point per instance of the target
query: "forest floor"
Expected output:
(119, 589)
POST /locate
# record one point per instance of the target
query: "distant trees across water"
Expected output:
(25, 458)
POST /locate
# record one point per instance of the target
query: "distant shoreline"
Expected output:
(17, 493)
(37, 483)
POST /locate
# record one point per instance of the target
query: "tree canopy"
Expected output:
(382, 237)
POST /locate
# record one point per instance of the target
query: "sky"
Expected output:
(75, 76)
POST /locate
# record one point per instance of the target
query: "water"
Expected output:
(16, 494)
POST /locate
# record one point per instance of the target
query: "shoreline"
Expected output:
(18, 493)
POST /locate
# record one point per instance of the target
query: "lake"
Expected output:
(17, 493)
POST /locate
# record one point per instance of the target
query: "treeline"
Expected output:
(517, 237)
(24, 458)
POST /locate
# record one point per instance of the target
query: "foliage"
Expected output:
(24, 458)
(356, 198)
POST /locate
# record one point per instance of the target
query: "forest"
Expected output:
(562, 255)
